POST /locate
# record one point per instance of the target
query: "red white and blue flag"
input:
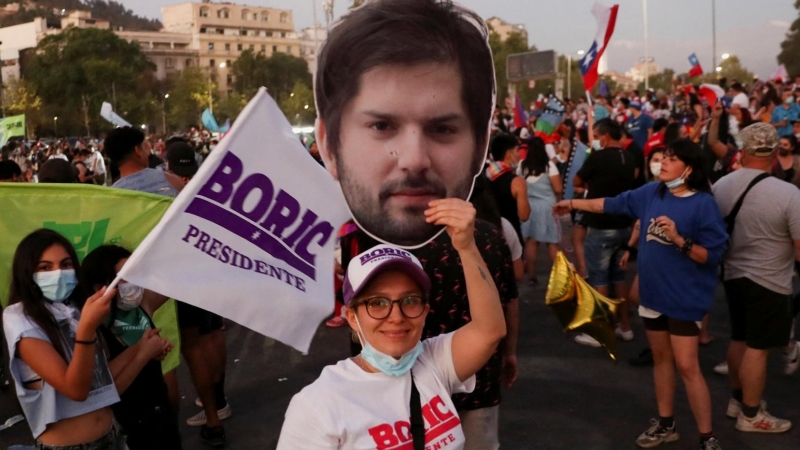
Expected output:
(696, 69)
(606, 20)
(520, 117)
(711, 93)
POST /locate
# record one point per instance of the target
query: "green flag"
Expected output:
(10, 127)
(88, 216)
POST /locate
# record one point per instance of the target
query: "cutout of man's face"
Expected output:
(406, 139)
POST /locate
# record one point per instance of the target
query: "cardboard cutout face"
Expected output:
(405, 139)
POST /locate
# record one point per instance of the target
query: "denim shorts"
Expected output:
(603, 250)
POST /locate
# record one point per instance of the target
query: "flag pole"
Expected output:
(589, 98)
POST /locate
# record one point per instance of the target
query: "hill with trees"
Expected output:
(109, 10)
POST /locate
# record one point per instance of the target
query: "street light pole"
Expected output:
(569, 75)
(55, 127)
(164, 113)
(646, 64)
(714, 32)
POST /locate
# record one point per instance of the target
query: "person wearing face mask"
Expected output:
(510, 190)
(654, 163)
(788, 159)
(681, 234)
(145, 413)
(608, 171)
(366, 401)
(785, 115)
(63, 381)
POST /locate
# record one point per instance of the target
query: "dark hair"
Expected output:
(536, 160)
(609, 127)
(121, 142)
(97, 269)
(660, 124)
(672, 133)
(501, 144)
(736, 86)
(24, 290)
(406, 32)
(9, 169)
(485, 203)
(692, 155)
(793, 142)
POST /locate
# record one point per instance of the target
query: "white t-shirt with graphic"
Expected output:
(348, 408)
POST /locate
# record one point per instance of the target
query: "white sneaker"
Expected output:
(626, 336)
(199, 419)
(585, 339)
(721, 368)
(735, 407)
(763, 422)
(791, 358)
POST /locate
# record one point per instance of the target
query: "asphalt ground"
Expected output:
(567, 396)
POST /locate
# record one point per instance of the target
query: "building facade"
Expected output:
(170, 52)
(17, 38)
(637, 73)
(220, 32)
(504, 29)
(310, 43)
(83, 19)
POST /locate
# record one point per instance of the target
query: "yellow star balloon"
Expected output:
(579, 307)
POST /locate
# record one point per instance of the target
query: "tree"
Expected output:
(732, 69)
(299, 106)
(514, 43)
(790, 47)
(188, 97)
(279, 73)
(662, 80)
(20, 98)
(75, 71)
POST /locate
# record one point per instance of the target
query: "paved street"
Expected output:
(567, 396)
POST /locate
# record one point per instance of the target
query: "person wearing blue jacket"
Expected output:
(681, 244)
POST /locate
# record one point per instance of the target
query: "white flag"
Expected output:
(107, 112)
(252, 236)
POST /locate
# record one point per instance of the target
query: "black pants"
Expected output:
(156, 429)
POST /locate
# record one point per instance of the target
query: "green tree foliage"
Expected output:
(280, 73)
(110, 10)
(188, 98)
(515, 43)
(75, 71)
(299, 106)
(790, 47)
(661, 80)
(19, 97)
(732, 69)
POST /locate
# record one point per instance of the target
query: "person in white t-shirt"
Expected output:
(366, 401)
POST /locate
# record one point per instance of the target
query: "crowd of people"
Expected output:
(696, 190)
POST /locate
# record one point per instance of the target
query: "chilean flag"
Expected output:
(696, 70)
(520, 117)
(606, 20)
(711, 93)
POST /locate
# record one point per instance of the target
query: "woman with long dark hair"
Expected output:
(681, 243)
(544, 190)
(62, 378)
(144, 411)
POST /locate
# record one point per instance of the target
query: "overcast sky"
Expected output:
(751, 29)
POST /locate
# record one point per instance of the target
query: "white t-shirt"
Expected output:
(511, 239)
(58, 156)
(741, 100)
(551, 150)
(348, 408)
(96, 163)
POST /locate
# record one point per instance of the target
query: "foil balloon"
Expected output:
(561, 291)
(579, 307)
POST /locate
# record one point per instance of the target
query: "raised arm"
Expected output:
(519, 189)
(73, 380)
(475, 342)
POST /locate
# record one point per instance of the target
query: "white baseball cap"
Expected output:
(371, 263)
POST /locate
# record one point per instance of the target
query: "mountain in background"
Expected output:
(114, 12)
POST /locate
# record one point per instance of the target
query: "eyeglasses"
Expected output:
(380, 307)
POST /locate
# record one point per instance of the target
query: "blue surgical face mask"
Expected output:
(56, 285)
(385, 363)
(677, 182)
